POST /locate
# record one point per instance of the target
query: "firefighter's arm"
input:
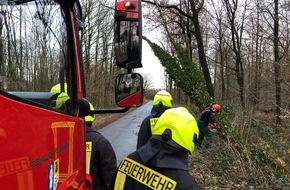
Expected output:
(212, 119)
(144, 133)
(108, 161)
(212, 125)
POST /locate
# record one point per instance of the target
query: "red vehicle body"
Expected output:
(42, 147)
(35, 140)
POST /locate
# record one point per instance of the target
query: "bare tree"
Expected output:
(98, 54)
(257, 40)
(186, 16)
(236, 34)
(276, 62)
(273, 12)
(218, 34)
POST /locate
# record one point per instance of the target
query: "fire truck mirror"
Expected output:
(129, 90)
(128, 34)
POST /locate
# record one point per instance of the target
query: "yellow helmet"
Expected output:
(56, 88)
(183, 127)
(90, 118)
(62, 97)
(164, 98)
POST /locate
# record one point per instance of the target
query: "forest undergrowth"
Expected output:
(260, 162)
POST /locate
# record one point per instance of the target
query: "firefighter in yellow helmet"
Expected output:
(161, 102)
(62, 99)
(162, 163)
(101, 162)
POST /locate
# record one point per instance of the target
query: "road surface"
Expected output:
(122, 133)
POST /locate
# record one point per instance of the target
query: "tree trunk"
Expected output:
(237, 46)
(276, 64)
(201, 55)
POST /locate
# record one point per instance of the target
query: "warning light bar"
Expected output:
(128, 9)
(127, 5)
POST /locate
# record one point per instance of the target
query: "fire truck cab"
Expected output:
(42, 145)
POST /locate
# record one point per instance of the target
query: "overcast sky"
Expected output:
(151, 64)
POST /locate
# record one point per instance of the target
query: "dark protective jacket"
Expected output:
(206, 116)
(103, 162)
(156, 165)
(145, 129)
(204, 119)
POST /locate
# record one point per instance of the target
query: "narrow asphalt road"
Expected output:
(122, 133)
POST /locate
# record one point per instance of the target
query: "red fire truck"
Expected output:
(43, 146)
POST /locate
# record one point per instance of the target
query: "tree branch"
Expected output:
(175, 7)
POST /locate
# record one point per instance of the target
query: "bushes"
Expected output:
(256, 163)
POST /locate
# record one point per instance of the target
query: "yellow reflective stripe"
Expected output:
(89, 149)
(153, 121)
(146, 175)
(89, 146)
(120, 181)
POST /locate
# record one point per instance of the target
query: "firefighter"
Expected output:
(161, 102)
(101, 162)
(62, 98)
(204, 119)
(162, 163)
